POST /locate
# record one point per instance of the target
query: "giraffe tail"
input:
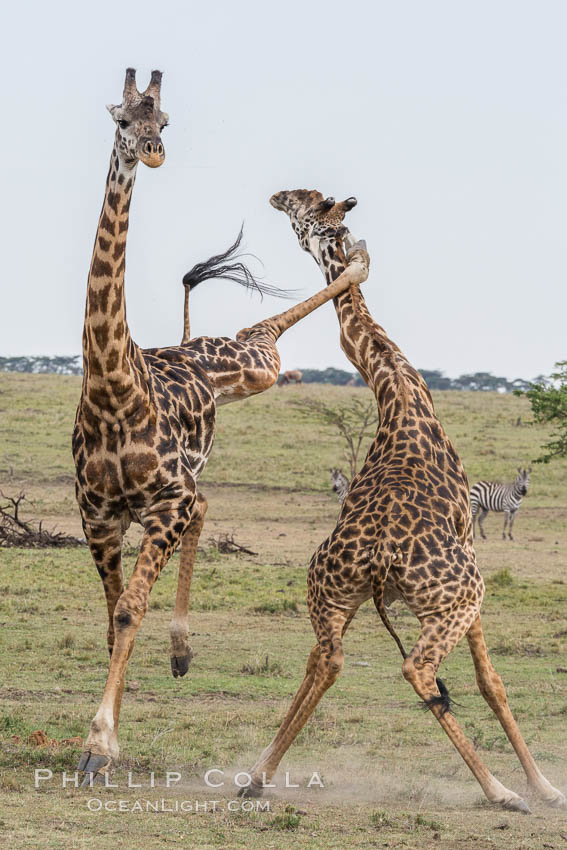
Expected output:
(229, 266)
(387, 553)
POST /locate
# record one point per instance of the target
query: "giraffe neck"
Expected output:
(393, 380)
(114, 375)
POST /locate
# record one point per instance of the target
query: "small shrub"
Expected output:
(288, 821)
(518, 648)
(503, 578)
(277, 607)
(263, 667)
(420, 820)
(8, 783)
(380, 819)
(67, 641)
(483, 741)
(12, 724)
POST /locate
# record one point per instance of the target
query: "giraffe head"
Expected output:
(139, 122)
(317, 221)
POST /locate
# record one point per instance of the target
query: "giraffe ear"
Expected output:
(113, 111)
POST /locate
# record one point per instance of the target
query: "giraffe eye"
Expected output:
(123, 124)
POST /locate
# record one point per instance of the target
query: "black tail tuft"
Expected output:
(444, 701)
(220, 267)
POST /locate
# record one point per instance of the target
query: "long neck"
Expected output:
(390, 376)
(113, 372)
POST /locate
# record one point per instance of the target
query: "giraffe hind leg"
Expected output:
(323, 668)
(439, 635)
(180, 651)
(492, 689)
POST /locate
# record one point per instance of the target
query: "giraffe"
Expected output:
(404, 532)
(146, 420)
(292, 376)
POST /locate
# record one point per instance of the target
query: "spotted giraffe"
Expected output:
(404, 532)
(146, 420)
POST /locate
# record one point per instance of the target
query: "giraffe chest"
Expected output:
(128, 470)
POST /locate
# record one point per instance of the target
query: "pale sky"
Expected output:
(447, 120)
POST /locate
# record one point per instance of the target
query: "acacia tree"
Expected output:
(548, 398)
(354, 420)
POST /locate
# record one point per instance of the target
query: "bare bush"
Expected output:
(14, 531)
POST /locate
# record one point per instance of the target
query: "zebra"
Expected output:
(339, 483)
(490, 496)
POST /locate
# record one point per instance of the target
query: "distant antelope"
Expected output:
(293, 376)
(339, 483)
(506, 498)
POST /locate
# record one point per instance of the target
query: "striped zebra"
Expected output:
(339, 483)
(507, 498)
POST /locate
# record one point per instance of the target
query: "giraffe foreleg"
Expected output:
(437, 639)
(256, 787)
(493, 691)
(180, 651)
(323, 668)
(158, 543)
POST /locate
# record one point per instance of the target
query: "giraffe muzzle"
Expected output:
(278, 201)
(151, 152)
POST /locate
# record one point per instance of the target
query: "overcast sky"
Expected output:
(447, 120)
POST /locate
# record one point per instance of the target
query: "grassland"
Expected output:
(391, 778)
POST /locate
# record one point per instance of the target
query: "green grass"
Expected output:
(257, 440)
(391, 777)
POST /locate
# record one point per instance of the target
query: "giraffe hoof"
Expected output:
(180, 664)
(517, 805)
(91, 765)
(558, 803)
(251, 792)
